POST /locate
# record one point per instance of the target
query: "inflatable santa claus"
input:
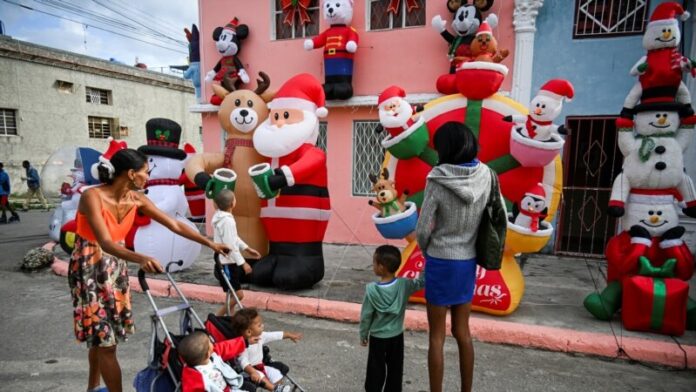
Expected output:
(295, 208)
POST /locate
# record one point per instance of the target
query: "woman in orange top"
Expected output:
(98, 274)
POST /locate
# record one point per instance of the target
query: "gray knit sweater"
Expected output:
(455, 197)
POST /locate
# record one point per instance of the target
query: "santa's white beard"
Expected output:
(273, 142)
(390, 119)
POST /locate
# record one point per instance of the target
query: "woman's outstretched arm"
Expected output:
(148, 208)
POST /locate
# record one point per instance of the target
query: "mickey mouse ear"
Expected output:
(483, 5)
(453, 5)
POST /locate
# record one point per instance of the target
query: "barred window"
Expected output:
(368, 156)
(321, 141)
(98, 96)
(380, 19)
(609, 18)
(100, 127)
(282, 30)
(8, 122)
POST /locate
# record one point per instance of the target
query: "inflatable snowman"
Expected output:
(653, 156)
(166, 161)
(62, 224)
(651, 229)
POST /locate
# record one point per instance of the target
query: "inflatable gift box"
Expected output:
(655, 304)
(534, 153)
(399, 225)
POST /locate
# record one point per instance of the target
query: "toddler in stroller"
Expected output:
(255, 360)
(206, 368)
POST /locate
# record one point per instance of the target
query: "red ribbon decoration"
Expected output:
(394, 6)
(296, 7)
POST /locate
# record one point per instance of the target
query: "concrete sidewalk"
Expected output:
(550, 315)
(552, 305)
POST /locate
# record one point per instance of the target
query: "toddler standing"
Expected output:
(382, 321)
(226, 232)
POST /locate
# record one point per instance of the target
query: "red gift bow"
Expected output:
(394, 6)
(299, 7)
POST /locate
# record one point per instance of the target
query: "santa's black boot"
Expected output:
(263, 270)
(299, 265)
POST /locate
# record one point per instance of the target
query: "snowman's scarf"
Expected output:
(647, 144)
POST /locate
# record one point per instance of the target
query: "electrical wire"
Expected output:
(107, 20)
(92, 26)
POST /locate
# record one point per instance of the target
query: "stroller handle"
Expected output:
(218, 264)
(142, 280)
(169, 264)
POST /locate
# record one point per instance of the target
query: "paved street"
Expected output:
(39, 352)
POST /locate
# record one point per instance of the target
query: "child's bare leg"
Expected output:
(94, 374)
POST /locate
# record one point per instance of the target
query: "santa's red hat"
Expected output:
(484, 28)
(667, 13)
(558, 89)
(189, 148)
(232, 25)
(537, 191)
(105, 159)
(302, 92)
(389, 93)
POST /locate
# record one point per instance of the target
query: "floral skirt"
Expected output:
(101, 295)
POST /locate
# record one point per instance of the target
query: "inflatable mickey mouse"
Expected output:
(465, 23)
(228, 44)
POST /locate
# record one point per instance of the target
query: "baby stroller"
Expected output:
(163, 373)
(218, 326)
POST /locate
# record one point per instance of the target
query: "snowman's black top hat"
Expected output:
(659, 106)
(163, 138)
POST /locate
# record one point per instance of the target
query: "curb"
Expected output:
(484, 330)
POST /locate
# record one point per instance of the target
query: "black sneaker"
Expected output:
(14, 218)
(3, 220)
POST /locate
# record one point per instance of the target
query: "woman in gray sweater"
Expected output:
(456, 194)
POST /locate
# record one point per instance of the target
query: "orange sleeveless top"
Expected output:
(117, 230)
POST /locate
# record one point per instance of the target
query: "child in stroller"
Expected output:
(248, 323)
(206, 368)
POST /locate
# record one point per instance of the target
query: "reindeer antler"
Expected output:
(262, 84)
(385, 173)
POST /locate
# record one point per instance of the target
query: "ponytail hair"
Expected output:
(122, 161)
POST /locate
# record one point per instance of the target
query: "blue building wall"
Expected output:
(597, 67)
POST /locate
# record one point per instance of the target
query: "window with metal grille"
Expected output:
(8, 122)
(98, 96)
(282, 30)
(380, 19)
(368, 156)
(99, 127)
(321, 140)
(609, 18)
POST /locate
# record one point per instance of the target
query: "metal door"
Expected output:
(591, 160)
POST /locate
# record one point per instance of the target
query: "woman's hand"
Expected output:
(254, 253)
(247, 268)
(220, 248)
(151, 266)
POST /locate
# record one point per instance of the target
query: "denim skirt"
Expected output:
(449, 282)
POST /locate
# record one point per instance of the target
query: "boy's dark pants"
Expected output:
(385, 360)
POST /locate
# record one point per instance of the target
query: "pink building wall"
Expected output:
(412, 57)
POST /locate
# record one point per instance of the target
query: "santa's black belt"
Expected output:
(305, 190)
(295, 248)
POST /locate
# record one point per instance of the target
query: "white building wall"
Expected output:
(48, 119)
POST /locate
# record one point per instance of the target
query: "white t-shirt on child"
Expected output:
(213, 375)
